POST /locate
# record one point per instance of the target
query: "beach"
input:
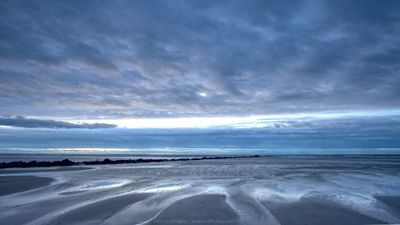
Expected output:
(283, 190)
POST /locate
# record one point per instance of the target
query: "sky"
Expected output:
(199, 64)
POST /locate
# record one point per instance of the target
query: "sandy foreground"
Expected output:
(269, 190)
(14, 184)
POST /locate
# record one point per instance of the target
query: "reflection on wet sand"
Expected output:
(268, 190)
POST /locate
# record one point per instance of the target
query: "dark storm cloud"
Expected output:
(19, 121)
(154, 58)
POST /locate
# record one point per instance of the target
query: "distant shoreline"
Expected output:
(67, 162)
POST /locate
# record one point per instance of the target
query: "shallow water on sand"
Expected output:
(268, 190)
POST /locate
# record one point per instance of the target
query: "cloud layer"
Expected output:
(367, 135)
(37, 123)
(197, 58)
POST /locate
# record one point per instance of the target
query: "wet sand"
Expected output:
(201, 209)
(271, 190)
(317, 211)
(15, 184)
(41, 170)
(97, 212)
(391, 202)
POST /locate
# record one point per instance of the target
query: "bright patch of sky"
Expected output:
(238, 122)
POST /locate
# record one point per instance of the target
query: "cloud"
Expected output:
(23, 122)
(371, 135)
(152, 58)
